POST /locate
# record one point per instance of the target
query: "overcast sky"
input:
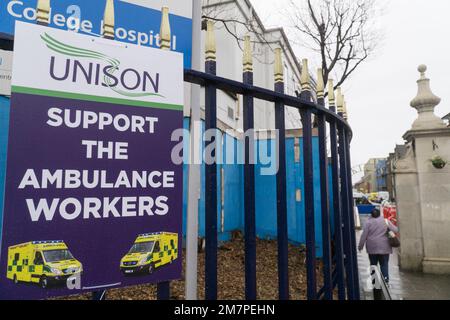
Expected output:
(378, 95)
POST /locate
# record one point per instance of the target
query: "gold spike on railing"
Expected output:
(331, 97)
(339, 100)
(210, 47)
(305, 77)
(164, 32)
(43, 12)
(278, 68)
(108, 20)
(320, 87)
(247, 60)
(345, 110)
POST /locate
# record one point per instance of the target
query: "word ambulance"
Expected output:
(91, 207)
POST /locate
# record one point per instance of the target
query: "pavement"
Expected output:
(403, 285)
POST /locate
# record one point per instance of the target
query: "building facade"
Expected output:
(381, 174)
(235, 19)
(374, 178)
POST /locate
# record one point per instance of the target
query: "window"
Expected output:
(16, 257)
(142, 247)
(157, 248)
(230, 113)
(57, 255)
(38, 260)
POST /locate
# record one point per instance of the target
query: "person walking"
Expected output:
(376, 240)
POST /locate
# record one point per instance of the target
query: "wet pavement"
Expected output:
(404, 285)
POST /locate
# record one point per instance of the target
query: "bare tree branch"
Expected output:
(341, 31)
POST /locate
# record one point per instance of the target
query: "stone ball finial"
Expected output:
(422, 68)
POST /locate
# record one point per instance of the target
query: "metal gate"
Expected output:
(339, 247)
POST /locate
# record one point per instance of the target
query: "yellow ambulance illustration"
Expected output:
(41, 262)
(150, 251)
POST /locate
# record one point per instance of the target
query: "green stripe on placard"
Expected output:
(87, 97)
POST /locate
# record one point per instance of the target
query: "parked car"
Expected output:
(364, 205)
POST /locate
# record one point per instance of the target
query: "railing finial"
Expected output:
(210, 48)
(305, 77)
(320, 87)
(165, 33)
(43, 12)
(278, 67)
(331, 96)
(339, 101)
(247, 60)
(108, 20)
(345, 114)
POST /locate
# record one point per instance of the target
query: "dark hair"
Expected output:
(376, 213)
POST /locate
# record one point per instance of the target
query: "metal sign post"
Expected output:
(194, 167)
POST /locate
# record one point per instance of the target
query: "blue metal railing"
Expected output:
(345, 274)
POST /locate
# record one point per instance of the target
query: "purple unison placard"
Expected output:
(92, 199)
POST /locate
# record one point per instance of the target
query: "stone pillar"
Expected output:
(423, 191)
(409, 211)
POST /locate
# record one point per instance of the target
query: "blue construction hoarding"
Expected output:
(230, 204)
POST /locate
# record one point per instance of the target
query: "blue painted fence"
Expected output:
(266, 220)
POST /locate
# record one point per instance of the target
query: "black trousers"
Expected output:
(383, 261)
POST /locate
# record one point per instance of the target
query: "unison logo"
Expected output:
(127, 82)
